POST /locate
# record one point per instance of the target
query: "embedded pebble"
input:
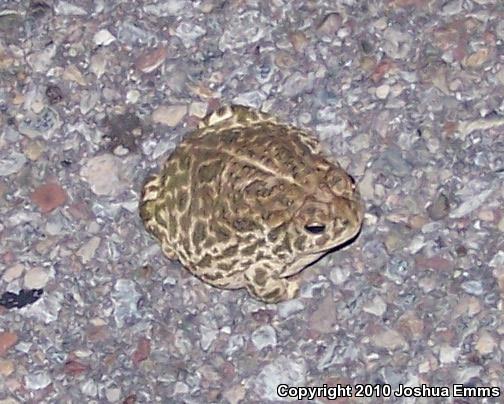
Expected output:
(208, 335)
(7, 340)
(89, 388)
(113, 394)
(125, 298)
(485, 343)
(73, 74)
(98, 64)
(500, 75)
(12, 273)
(242, 30)
(478, 58)
(34, 150)
(167, 7)
(392, 162)
(282, 370)
(36, 278)
(7, 367)
(169, 115)
(264, 336)
(88, 101)
(452, 7)
(330, 357)
(11, 163)
(473, 287)
(290, 307)
(48, 197)
(41, 60)
(497, 260)
(377, 306)
(103, 38)
(47, 308)
(235, 344)
(66, 8)
(198, 109)
(389, 339)
(189, 33)
(43, 124)
(439, 208)
(104, 175)
(397, 43)
(323, 319)
(250, 98)
(339, 275)
(37, 381)
(298, 41)
(330, 24)
(149, 61)
(448, 354)
(132, 96)
(87, 251)
(297, 84)
(366, 186)
(499, 29)
(471, 203)
(130, 33)
(235, 394)
(383, 91)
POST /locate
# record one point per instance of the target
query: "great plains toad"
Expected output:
(245, 201)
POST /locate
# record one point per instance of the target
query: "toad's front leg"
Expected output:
(265, 285)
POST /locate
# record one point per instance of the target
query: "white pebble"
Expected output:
(35, 278)
(382, 91)
(103, 38)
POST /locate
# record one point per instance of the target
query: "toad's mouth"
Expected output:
(308, 258)
(340, 240)
(349, 239)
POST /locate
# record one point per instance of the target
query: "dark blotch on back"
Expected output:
(299, 243)
(173, 227)
(213, 277)
(244, 224)
(205, 262)
(159, 219)
(230, 251)
(199, 233)
(250, 250)
(169, 170)
(223, 266)
(185, 162)
(273, 234)
(260, 277)
(177, 181)
(230, 137)
(220, 232)
(274, 293)
(182, 200)
(207, 172)
(287, 243)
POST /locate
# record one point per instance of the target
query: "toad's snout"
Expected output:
(346, 216)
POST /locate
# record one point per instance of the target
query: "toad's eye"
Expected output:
(352, 180)
(315, 228)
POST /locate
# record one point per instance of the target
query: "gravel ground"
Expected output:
(94, 94)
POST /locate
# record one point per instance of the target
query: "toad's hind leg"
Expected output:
(267, 286)
(151, 212)
(150, 192)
